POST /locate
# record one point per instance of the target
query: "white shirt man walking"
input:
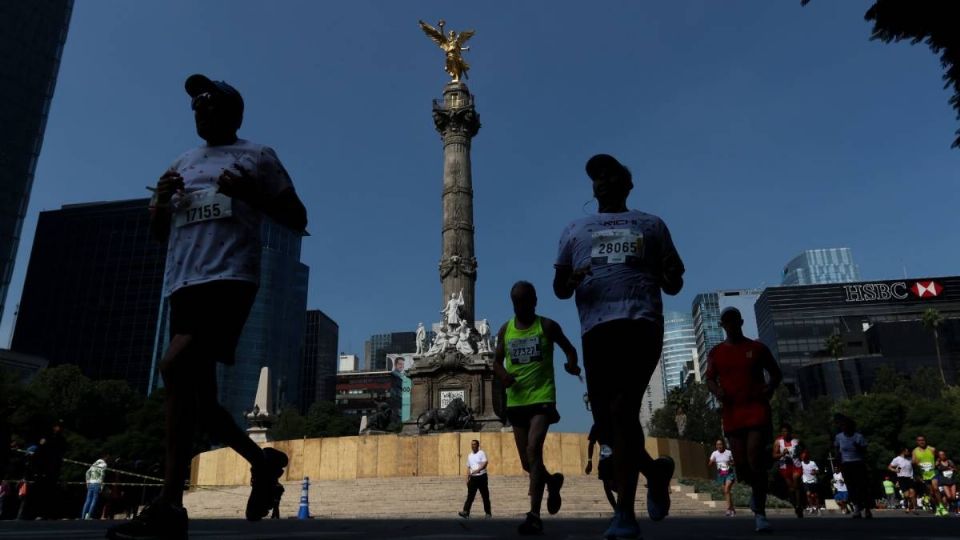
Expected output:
(476, 480)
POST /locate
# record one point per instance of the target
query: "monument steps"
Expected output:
(430, 497)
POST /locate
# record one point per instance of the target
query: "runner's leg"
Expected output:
(539, 424)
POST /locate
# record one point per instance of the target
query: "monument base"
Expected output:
(257, 434)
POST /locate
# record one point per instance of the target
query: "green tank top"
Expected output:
(927, 462)
(529, 358)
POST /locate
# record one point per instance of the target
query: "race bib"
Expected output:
(948, 474)
(724, 468)
(525, 350)
(203, 205)
(616, 246)
(926, 467)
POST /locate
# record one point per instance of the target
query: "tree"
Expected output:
(701, 423)
(931, 22)
(932, 319)
(834, 347)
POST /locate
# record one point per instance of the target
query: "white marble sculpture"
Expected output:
(484, 345)
(451, 313)
(421, 339)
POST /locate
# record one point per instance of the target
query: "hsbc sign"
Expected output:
(898, 290)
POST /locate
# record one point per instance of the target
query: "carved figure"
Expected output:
(421, 339)
(452, 47)
(439, 343)
(452, 311)
(484, 344)
(456, 415)
(380, 420)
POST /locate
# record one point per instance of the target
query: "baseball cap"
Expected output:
(197, 84)
(601, 163)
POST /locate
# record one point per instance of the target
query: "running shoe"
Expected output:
(158, 521)
(622, 527)
(658, 488)
(464, 515)
(730, 513)
(264, 481)
(553, 493)
(761, 524)
(531, 526)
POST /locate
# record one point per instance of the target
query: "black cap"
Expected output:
(601, 163)
(197, 84)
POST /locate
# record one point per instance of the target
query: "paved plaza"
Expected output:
(885, 526)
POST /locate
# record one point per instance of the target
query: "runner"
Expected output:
(809, 472)
(743, 375)
(524, 364)
(924, 458)
(617, 262)
(722, 459)
(786, 450)
(851, 446)
(477, 480)
(208, 207)
(840, 494)
(947, 478)
(903, 466)
(603, 467)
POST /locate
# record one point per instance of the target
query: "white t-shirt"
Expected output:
(809, 472)
(722, 461)
(788, 452)
(474, 461)
(903, 465)
(212, 236)
(627, 253)
(838, 482)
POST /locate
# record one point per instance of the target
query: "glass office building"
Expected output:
(318, 378)
(821, 266)
(93, 290)
(378, 346)
(32, 35)
(679, 342)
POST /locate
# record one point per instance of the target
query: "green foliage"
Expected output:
(322, 420)
(702, 422)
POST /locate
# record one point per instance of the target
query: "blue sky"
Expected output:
(755, 129)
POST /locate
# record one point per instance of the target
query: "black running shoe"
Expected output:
(553, 493)
(158, 521)
(658, 488)
(532, 526)
(264, 481)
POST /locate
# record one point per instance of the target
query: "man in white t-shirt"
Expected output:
(618, 262)
(808, 475)
(903, 466)
(208, 207)
(476, 480)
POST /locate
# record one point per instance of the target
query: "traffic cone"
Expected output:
(304, 512)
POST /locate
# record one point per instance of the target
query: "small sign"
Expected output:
(446, 396)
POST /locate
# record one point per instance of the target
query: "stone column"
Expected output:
(457, 121)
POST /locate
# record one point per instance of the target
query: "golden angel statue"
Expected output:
(452, 45)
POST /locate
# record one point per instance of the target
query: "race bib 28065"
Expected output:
(616, 246)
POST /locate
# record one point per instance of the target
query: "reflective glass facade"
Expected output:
(379, 345)
(679, 342)
(32, 35)
(816, 266)
(102, 313)
(706, 326)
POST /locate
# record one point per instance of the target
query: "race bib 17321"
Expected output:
(525, 350)
(203, 205)
(616, 246)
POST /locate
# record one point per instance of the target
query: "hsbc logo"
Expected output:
(879, 292)
(926, 289)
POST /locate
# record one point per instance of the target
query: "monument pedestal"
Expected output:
(439, 379)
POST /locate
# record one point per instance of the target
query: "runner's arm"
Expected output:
(769, 364)
(712, 381)
(556, 335)
(505, 378)
(590, 445)
(566, 280)
(671, 280)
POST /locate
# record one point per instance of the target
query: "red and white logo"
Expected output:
(926, 289)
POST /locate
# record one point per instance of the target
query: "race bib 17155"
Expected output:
(616, 246)
(204, 205)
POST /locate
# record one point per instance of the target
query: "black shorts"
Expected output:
(619, 358)
(605, 469)
(214, 314)
(905, 484)
(520, 416)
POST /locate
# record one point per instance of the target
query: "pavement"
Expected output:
(886, 526)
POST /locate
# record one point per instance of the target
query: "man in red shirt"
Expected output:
(743, 374)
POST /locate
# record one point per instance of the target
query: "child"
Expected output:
(524, 364)
(809, 472)
(840, 494)
(890, 492)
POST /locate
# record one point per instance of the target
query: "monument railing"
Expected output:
(449, 105)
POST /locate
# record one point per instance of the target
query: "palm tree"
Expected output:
(834, 347)
(932, 319)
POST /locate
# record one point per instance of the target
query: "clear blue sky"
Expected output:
(755, 129)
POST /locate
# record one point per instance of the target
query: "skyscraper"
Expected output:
(318, 378)
(654, 396)
(32, 35)
(101, 314)
(679, 340)
(821, 266)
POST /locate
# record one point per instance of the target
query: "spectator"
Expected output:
(94, 480)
